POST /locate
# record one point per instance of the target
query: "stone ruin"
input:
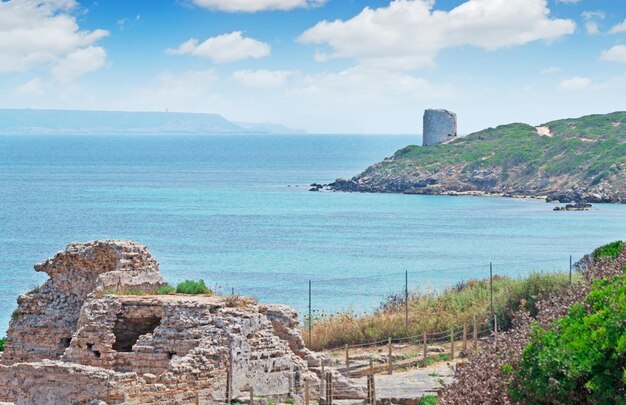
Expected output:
(71, 341)
(439, 127)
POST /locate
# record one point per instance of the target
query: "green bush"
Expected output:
(2, 344)
(612, 250)
(193, 287)
(428, 400)
(580, 358)
(166, 289)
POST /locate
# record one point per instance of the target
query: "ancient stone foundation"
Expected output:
(73, 341)
(439, 127)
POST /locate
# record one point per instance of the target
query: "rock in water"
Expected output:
(70, 341)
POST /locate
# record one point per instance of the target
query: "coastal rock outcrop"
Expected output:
(582, 161)
(78, 339)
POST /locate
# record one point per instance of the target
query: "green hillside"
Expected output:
(578, 159)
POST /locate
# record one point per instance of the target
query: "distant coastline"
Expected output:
(77, 122)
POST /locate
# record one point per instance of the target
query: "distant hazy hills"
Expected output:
(18, 122)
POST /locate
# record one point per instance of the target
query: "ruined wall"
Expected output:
(148, 349)
(46, 318)
(439, 126)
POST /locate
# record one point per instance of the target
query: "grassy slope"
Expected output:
(581, 153)
(435, 312)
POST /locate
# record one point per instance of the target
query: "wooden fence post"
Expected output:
(390, 359)
(306, 393)
(425, 356)
(323, 383)
(197, 398)
(347, 361)
(329, 389)
(229, 384)
(464, 337)
(475, 335)
(251, 395)
(452, 343)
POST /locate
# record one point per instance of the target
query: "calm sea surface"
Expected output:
(235, 211)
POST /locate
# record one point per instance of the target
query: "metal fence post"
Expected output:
(491, 294)
(570, 269)
(310, 318)
(406, 302)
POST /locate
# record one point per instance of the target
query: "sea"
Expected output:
(236, 211)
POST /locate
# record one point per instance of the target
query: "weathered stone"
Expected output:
(72, 342)
(439, 126)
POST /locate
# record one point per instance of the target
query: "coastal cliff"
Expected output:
(570, 160)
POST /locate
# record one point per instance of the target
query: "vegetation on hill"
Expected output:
(572, 351)
(581, 159)
(580, 358)
(435, 313)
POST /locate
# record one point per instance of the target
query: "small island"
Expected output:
(580, 160)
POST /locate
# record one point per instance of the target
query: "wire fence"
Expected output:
(323, 301)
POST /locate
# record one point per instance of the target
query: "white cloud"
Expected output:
(591, 15)
(409, 33)
(261, 78)
(252, 6)
(189, 91)
(360, 83)
(592, 27)
(574, 83)
(591, 24)
(615, 54)
(551, 70)
(223, 48)
(32, 88)
(621, 27)
(40, 32)
(128, 22)
(79, 62)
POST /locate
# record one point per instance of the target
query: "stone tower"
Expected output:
(439, 127)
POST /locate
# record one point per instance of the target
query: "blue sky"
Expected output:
(334, 66)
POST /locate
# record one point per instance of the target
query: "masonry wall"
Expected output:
(439, 126)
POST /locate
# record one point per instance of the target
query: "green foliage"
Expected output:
(580, 358)
(612, 250)
(428, 400)
(166, 290)
(2, 344)
(132, 291)
(15, 315)
(193, 287)
(506, 369)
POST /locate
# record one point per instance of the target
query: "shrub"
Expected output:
(166, 290)
(580, 358)
(193, 287)
(2, 344)
(611, 250)
(428, 400)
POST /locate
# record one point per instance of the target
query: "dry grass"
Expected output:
(434, 312)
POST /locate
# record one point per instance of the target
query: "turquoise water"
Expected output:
(235, 211)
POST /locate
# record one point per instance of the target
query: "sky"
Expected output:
(327, 66)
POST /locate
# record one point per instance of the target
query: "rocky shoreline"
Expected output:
(434, 186)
